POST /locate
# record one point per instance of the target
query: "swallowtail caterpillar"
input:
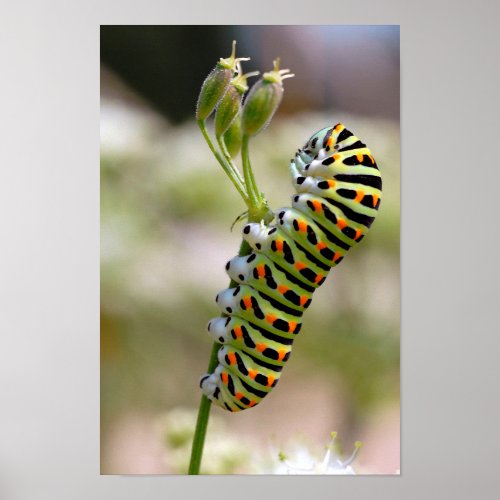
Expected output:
(338, 192)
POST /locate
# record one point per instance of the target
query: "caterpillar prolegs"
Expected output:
(338, 189)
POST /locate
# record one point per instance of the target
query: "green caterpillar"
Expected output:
(339, 190)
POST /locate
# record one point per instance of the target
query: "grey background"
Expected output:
(49, 266)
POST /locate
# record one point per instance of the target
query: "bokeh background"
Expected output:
(166, 214)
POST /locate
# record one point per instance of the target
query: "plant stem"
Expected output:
(257, 209)
(227, 156)
(253, 192)
(202, 421)
(205, 404)
(229, 168)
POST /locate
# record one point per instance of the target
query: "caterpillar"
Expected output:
(338, 192)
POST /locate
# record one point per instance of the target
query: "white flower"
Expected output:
(332, 463)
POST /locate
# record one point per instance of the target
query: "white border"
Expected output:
(49, 199)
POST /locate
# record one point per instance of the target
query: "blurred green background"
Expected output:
(166, 213)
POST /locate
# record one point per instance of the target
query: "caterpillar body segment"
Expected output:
(263, 276)
(247, 337)
(338, 192)
(251, 305)
(287, 254)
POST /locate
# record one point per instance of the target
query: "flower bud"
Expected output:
(216, 84)
(227, 110)
(233, 137)
(263, 100)
(230, 104)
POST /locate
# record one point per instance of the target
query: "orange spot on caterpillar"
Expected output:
(232, 358)
(320, 245)
(336, 157)
(336, 255)
(271, 318)
(375, 199)
(299, 266)
(338, 127)
(319, 277)
(358, 234)
(252, 403)
(371, 159)
(283, 289)
(302, 226)
(238, 395)
(341, 223)
(359, 196)
(261, 271)
(270, 380)
(360, 157)
(252, 373)
(329, 142)
(291, 326)
(331, 184)
(279, 245)
(248, 302)
(238, 332)
(260, 347)
(316, 205)
(225, 377)
(281, 354)
(303, 300)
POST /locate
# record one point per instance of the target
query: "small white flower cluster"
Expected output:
(304, 463)
(226, 453)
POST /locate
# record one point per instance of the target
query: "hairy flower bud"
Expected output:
(216, 84)
(230, 104)
(233, 137)
(263, 100)
(212, 90)
(227, 110)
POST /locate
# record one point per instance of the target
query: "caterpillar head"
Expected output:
(318, 152)
(342, 153)
(314, 145)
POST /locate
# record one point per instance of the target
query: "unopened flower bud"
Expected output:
(230, 104)
(216, 84)
(263, 100)
(233, 137)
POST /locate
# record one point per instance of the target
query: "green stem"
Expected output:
(257, 209)
(253, 192)
(202, 421)
(229, 168)
(205, 404)
(227, 156)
